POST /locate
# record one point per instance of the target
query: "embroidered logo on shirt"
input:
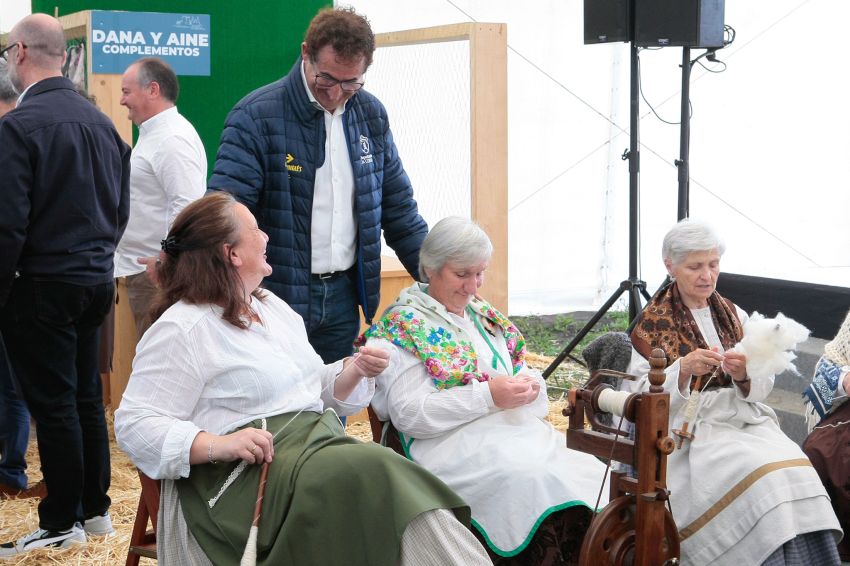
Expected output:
(364, 149)
(289, 166)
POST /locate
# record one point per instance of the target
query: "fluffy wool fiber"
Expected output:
(767, 342)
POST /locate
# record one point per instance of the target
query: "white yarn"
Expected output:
(249, 557)
(233, 475)
(691, 407)
(767, 343)
(613, 402)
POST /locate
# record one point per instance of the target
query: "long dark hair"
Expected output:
(195, 268)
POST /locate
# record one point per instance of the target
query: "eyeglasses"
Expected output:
(4, 54)
(327, 81)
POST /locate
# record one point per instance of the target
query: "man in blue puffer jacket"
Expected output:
(313, 157)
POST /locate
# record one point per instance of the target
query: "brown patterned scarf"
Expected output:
(668, 324)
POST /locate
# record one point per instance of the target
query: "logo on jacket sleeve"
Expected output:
(366, 156)
(290, 166)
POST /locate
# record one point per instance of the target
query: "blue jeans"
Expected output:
(14, 428)
(51, 333)
(334, 316)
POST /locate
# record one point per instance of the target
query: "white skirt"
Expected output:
(513, 469)
(741, 488)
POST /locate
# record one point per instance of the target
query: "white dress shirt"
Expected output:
(333, 228)
(193, 371)
(168, 170)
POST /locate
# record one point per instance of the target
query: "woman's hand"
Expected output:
(700, 362)
(369, 361)
(735, 364)
(250, 444)
(511, 392)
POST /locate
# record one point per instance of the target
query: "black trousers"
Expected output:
(51, 334)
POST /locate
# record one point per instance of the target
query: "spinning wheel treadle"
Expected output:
(610, 541)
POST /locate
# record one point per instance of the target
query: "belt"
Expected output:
(329, 274)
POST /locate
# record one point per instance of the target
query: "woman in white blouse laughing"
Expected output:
(225, 379)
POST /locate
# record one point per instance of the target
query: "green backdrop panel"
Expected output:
(253, 43)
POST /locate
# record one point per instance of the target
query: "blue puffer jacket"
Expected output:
(273, 141)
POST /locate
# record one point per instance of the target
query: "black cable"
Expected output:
(640, 88)
(712, 70)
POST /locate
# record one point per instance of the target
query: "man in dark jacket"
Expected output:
(65, 187)
(313, 157)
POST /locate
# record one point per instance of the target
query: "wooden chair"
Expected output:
(377, 427)
(375, 424)
(142, 540)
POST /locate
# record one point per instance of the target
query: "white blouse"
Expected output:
(194, 371)
(408, 397)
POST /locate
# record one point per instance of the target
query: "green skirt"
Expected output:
(330, 499)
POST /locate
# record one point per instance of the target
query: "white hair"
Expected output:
(453, 239)
(690, 236)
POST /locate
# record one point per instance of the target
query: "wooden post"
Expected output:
(488, 75)
(488, 52)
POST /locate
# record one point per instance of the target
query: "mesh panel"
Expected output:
(430, 120)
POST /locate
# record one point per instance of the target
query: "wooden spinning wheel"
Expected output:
(635, 528)
(611, 539)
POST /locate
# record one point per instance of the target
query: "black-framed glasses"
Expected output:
(327, 81)
(4, 54)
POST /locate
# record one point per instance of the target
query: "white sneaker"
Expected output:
(44, 539)
(100, 525)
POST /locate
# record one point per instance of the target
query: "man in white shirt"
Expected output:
(168, 171)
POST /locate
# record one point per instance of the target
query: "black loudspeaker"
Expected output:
(687, 23)
(606, 21)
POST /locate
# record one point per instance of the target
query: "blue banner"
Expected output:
(120, 38)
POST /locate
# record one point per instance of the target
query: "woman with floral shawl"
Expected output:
(466, 407)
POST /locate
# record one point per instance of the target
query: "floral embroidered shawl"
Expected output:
(420, 324)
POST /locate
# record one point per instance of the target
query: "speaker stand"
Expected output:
(633, 284)
(685, 137)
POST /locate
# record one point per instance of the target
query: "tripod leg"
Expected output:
(586, 328)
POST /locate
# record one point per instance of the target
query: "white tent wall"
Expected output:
(769, 145)
(768, 157)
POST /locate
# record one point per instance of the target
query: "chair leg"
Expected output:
(140, 527)
(142, 540)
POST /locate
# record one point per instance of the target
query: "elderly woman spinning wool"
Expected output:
(741, 491)
(467, 408)
(225, 379)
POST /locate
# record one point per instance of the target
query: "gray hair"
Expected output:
(453, 239)
(8, 94)
(151, 69)
(690, 236)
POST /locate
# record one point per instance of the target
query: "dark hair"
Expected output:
(195, 268)
(346, 31)
(153, 70)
